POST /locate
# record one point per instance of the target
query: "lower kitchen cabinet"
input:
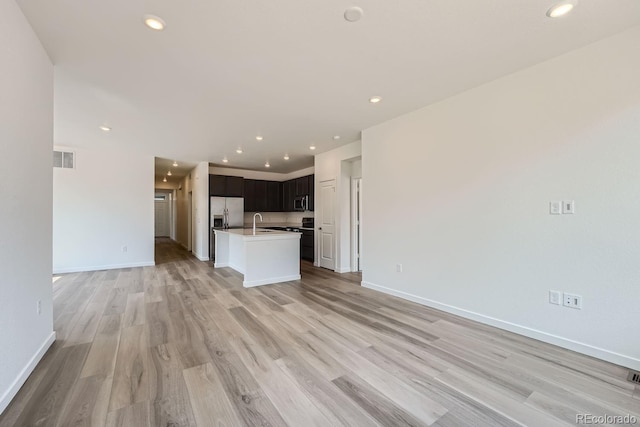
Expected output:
(306, 245)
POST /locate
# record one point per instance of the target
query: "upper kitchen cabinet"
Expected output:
(260, 196)
(249, 195)
(274, 196)
(302, 186)
(288, 194)
(226, 186)
(312, 194)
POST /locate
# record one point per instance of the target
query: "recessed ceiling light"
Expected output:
(312, 147)
(286, 157)
(169, 173)
(353, 14)
(561, 9)
(225, 160)
(164, 179)
(175, 164)
(336, 137)
(267, 165)
(375, 99)
(105, 128)
(154, 22)
(239, 150)
(259, 138)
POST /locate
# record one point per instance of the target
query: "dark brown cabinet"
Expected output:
(260, 197)
(249, 195)
(288, 193)
(306, 245)
(302, 186)
(312, 193)
(235, 186)
(226, 186)
(274, 196)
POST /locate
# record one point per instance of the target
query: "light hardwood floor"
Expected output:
(182, 344)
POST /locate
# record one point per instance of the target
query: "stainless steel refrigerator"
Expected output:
(230, 209)
(224, 212)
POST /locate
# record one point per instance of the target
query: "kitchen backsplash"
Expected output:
(294, 218)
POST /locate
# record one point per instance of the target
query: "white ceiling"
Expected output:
(293, 71)
(162, 166)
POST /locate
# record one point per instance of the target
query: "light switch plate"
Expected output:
(568, 207)
(555, 207)
(555, 297)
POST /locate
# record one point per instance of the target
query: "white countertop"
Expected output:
(261, 233)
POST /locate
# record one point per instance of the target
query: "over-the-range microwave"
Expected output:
(301, 203)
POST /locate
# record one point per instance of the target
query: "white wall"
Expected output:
(200, 187)
(182, 211)
(26, 144)
(458, 192)
(336, 164)
(101, 206)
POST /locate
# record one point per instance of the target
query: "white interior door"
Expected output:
(326, 230)
(162, 227)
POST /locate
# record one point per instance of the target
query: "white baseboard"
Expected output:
(252, 283)
(8, 395)
(589, 350)
(202, 258)
(343, 270)
(102, 267)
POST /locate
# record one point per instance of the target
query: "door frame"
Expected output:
(356, 224)
(190, 221)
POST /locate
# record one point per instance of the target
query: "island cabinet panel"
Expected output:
(226, 186)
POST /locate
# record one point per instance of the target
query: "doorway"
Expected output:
(162, 213)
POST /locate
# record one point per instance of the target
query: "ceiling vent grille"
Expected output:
(64, 159)
(634, 377)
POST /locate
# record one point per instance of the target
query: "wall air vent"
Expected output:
(634, 377)
(64, 159)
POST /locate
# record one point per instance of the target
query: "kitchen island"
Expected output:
(268, 256)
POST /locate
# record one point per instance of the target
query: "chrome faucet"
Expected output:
(254, 221)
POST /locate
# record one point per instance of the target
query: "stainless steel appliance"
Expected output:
(230, 209)
(301, 203)
(224, 212)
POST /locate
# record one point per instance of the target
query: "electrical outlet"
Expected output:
(572, 301)
(568, 207)
(399, 268)
(124, 249)
(39, 307)
(555, 297)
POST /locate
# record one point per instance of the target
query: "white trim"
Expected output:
(8, 395)
(270, 281)
(202, 258)
(589, 350)
(103, 267)
(220, 264)
(343, 270)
